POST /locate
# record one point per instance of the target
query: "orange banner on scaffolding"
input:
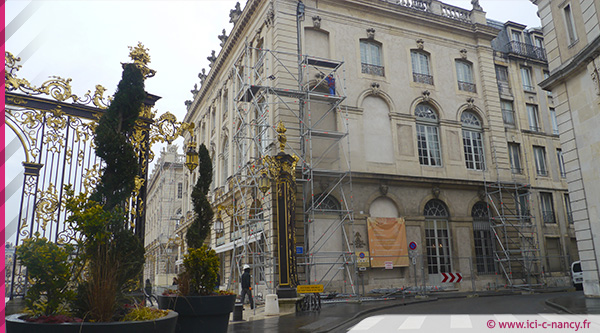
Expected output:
(387, 241)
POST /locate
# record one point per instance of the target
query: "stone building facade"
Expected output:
(439, 106)
(572, 39)
(164, 211)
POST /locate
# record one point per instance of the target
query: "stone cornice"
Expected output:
(579, 61)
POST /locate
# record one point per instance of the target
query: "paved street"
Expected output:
(340, 316)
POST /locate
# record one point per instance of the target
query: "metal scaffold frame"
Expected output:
(516, 246)
(268, 90)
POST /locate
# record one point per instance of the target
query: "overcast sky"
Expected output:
(87, 40)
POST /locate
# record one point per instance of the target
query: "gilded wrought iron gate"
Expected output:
(56, 129)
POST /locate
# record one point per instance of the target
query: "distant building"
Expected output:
(164, 209)
(572, 39)
(436, 118)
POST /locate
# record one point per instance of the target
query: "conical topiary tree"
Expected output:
(113, 255)
(201, 263)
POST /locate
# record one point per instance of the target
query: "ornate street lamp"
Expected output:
(281, 168)
(191, 156)
(264, 182)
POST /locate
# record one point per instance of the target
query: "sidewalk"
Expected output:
(576, 303)
(333, 315)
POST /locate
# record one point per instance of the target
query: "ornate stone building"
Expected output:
(416, 116)
(572, 30)
(164, 211)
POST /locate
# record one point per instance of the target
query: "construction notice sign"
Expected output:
(362, 258)
(309, 288)
(387, 241)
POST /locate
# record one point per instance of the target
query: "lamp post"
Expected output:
(281, 168)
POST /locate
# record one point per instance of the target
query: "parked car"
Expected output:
(577, 275)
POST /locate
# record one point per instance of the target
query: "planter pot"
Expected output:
(165, 324)
(200, 313)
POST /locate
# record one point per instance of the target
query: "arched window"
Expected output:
(482, 237)
(326, 203)
(428, 139)
(472, 140)
(437, 237)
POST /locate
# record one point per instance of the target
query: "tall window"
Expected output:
(213, 118)
(514, 154)
(534, 119)
(502, 79)
(508, 113)
(180, 190)
(472, 141)
(539, 154)
(526, 77)
(482, 237)
(570, 23)
(515, 36)
(547, 207)
(547, 75)
(464, 73)
(262, 129)
(437, 237)
(554, 121)
(522, 200)
(568, 209)
(370, 58)
(561, 162)
(225, 104)
(420, 67)
(225, 167)
(428, 140)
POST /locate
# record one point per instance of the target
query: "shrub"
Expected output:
(202, 266)
(48, 269)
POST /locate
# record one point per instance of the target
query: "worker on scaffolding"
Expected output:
(247, 286)
(331, 84)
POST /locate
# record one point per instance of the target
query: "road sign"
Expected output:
(414, 260)
(389, 265)
(412, 246)
(451, 277)
(299, 249)
(309, 288)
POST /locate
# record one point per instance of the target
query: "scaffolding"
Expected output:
(273, 86)
(516, 245)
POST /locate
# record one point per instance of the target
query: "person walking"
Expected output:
(148, 291)
(247, 286)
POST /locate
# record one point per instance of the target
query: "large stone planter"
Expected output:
(200, 313)
(165, 324)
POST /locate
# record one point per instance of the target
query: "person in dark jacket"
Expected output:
(247, 286)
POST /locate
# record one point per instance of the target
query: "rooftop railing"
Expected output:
(527, 50)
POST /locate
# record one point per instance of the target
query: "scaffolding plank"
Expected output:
(327, 134)
(322, 63)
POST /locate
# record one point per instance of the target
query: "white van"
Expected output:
(577, 275)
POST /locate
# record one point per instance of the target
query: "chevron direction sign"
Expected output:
(451, 277)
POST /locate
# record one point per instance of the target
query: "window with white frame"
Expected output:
(561, 162)
(508, 113)
(539, 153)
(568, 209)
(225, 166)
(420, 67)
(554, 121)
(464, 73)
(428, 140)
(514, 154)
(482, 237)
(437, 237)
(527, 81)
(472, 140)
(570, 24)
(370, 58)
(547, 207)
(502, 79)
(533, 117)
